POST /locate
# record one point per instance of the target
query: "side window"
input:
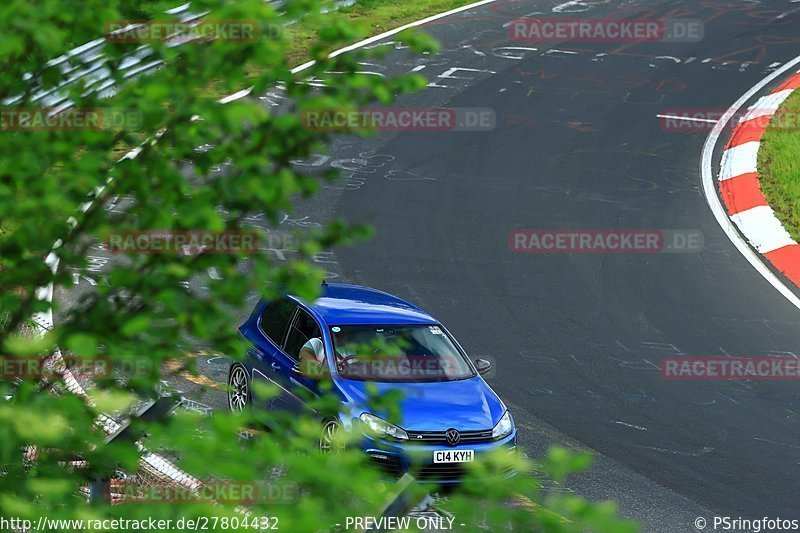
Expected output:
(275, 318)
(303, 328)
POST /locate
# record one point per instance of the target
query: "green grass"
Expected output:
(779, 164)
(376, 15)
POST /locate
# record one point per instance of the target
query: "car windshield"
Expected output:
(398, 354)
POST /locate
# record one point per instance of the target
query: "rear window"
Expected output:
(275, 318)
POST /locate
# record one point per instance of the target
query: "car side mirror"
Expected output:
(483, 366)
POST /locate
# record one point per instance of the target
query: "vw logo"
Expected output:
(452, 436)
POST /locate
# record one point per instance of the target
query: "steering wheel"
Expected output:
(344, 360)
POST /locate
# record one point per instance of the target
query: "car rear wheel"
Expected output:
(238, 388)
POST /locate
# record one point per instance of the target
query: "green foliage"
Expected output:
(143, 311)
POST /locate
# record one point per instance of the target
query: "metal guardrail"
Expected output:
(88, 64)
(149, 410)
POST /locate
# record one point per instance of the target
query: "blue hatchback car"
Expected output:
(355, 336)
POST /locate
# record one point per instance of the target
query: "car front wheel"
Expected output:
(329, 439)
(238, 388)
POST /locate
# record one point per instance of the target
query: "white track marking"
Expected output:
(690, 119)
(710, 191)
(632, 426)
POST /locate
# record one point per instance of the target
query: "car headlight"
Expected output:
(503, 427)
(379, 427)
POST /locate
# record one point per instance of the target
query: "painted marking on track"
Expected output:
(663, 347)
(577, 6)
(512, 52)
(510, 22)
(777, 443)
(449, 74)
(729, 398)
(632, 426)
(404, 175)
(473, 49)
(366, 43)
(690, 119)
(174, 366)
(705, 450)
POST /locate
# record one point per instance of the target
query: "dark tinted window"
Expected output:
(303, 329)
(275, 318)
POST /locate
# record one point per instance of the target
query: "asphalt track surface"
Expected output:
(577, 338)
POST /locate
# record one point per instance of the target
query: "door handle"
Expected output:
(258, 353)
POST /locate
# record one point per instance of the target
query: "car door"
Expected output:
(296, 390)
(267, 340)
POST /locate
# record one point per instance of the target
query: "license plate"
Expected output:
(453, 456)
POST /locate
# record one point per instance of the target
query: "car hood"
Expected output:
(467, 405)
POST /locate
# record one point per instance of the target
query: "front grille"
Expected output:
(440, 471)
(438, 437)
(388, 465)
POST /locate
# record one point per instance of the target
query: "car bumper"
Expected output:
(394, 458)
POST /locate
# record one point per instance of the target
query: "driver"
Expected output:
(312, 354)
(312, 358)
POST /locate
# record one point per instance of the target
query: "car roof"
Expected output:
(346, 304)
